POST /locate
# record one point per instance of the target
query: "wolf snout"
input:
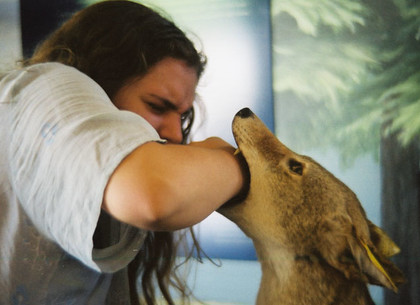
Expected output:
(245, 113)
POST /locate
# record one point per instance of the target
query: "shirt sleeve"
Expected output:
(66, 140)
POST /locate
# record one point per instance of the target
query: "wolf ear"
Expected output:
(374, 265)
(360, 254)
(382, 242)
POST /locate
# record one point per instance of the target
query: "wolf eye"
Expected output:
(296, 167)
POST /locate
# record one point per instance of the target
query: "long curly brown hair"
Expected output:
(113, 42)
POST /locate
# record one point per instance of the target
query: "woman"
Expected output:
(93, 178)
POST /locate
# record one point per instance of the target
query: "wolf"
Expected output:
(311, 234)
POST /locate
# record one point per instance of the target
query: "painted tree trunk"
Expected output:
(401, 213)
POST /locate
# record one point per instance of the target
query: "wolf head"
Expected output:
(295, 204)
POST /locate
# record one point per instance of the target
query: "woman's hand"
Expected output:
(169, 187)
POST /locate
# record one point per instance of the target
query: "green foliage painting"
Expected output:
(346, 73)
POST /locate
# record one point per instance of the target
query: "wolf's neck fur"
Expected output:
(288, 279)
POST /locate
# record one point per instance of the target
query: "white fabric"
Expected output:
(60, 140)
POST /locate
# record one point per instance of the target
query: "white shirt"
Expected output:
(60, 140)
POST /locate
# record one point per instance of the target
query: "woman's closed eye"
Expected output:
(156, 107)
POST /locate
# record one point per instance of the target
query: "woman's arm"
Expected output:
(168, 187)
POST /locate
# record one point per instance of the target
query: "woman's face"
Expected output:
(161, 97)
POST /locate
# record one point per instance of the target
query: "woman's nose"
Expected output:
(171, 129)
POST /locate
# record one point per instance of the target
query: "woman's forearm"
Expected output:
(168, 187)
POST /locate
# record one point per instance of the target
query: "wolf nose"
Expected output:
(245, 113)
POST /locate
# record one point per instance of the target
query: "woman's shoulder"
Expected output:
(52, 74)
(54, 68)
(48, 79)
(51, 70)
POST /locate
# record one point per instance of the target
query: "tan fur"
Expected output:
(311, 234)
